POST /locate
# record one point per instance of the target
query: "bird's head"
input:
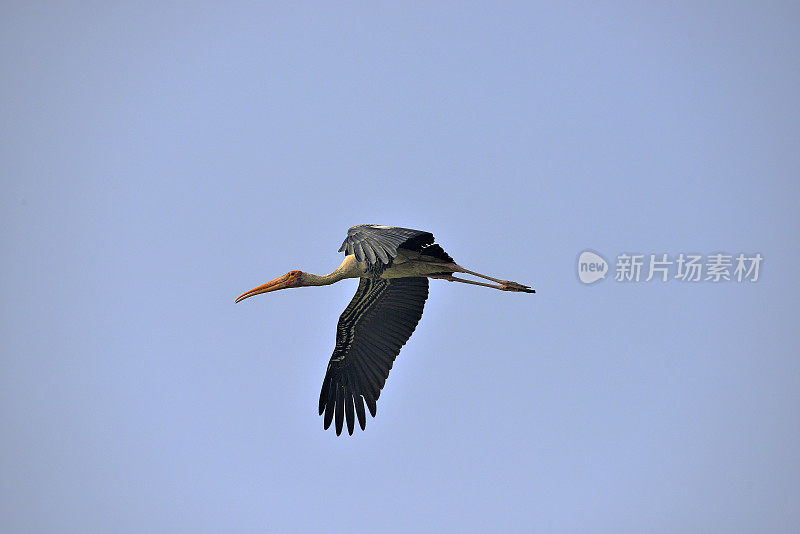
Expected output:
(290, 279)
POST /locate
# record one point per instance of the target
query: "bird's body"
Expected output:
(393, 265)
(406, 264)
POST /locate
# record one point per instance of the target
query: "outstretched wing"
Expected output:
(374, 326)
(374, 243)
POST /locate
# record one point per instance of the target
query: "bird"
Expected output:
(393, 266)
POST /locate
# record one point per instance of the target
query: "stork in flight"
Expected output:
(393, 266)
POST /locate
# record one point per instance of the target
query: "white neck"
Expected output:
(348, 269)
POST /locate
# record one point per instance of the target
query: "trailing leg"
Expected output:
(503, 286)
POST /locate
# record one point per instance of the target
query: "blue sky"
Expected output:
(159, 159)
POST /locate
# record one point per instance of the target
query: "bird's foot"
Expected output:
(507, 285)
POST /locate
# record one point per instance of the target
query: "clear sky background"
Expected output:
(159, 159)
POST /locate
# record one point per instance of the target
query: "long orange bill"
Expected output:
(281, 282)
